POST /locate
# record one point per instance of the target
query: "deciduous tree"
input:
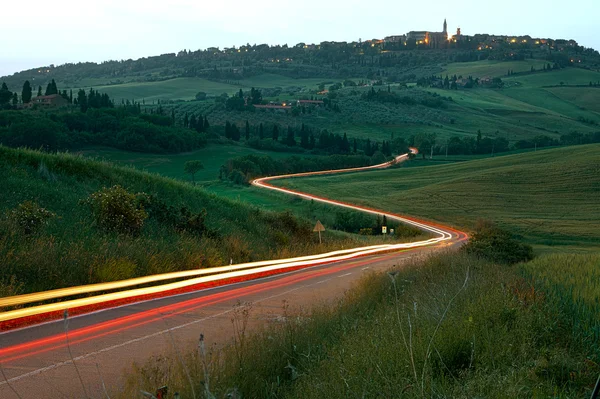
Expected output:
(193, 167)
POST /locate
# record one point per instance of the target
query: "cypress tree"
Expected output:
(26, 93)
(275, 132)
(39, 93)
(227, 129)
(247, 130)
(82, 100)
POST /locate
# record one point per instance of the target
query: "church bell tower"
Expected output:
(445, 27)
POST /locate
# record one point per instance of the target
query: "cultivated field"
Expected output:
(549, 197)
(169, 165)
(186, 88)
(479, 69)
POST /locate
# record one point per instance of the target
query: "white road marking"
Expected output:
(132, 341)
(344, 275)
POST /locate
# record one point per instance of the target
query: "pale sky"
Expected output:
(42, 32)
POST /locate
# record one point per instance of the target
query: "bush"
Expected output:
(491, 242)
(117, 210)
(30, 217)
(179, 218)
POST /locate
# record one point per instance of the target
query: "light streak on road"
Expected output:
(195, 277)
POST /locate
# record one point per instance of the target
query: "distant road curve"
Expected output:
(442, 233)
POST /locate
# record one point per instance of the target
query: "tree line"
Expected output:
(243, 169)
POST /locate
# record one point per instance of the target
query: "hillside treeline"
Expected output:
(122, 127)
(241, 170)
(328, 59)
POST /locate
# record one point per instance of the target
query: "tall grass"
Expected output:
(449, 326)
(572, 282)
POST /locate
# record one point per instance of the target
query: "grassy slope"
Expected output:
(550, 197)
(212, 158)
(71, 251)
(523, 109)
(479, 69)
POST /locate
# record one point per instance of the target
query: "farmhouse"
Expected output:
(51, 101)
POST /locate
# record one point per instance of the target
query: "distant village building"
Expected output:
(395, 39)
(422, 38)
(51, 101)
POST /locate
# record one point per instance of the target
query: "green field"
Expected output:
(584, 98)
(212, 157)
(568, 76)
(550, 197)
(186, 88)
(479, 69)
(516, 112)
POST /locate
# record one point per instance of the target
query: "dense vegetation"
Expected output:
(66, 220)
(328, 59)
(242, 170)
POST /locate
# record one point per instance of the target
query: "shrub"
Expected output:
(117, 210)
(30, 217)
(180, 218)
(493, 243)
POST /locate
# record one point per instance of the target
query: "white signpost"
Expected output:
(383, 229)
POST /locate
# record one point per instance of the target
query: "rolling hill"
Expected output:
(549, 197)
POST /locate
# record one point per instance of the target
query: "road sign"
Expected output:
(383, 229)
(319, 227)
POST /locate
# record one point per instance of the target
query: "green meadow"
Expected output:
(549, 197)
(212, 157)
(490, 68)
(186, 88)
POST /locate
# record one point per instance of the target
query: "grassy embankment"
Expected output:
(72, 250)
(450, 326)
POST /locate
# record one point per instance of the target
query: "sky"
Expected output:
(61, 31)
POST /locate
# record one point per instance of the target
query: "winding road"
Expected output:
(85, 355)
